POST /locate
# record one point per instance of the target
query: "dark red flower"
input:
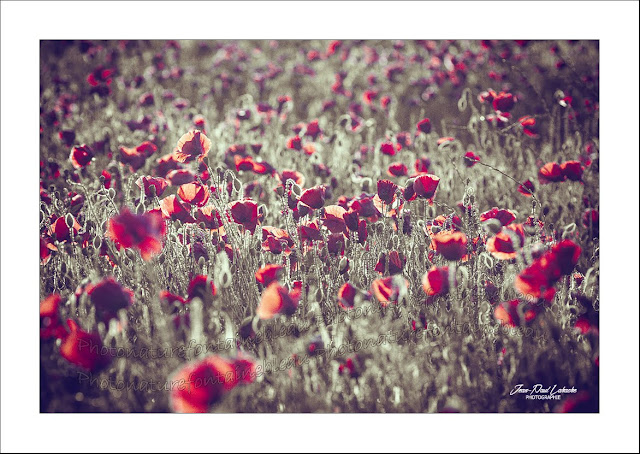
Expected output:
(50, 323)
(335, 244)
(347, 296)
(278, 300)
(351, 220)
(194, 193)
(397, 169)
(136, 157)
(451, 245)
(245, 212)
(83, 349)
(275, 240)
(362, 231)
(436, 281)
(424, 126)
(209, 216)
(505, 217)
(470, 159)
(508, 313)
(202, 287)
(294, 143)
(165, 164)
(192, 145)
(551, 172)
(387, 191)
(144, 232)
(333, 219)
(526, 189)
(178, 177)
(310, 231)
(269, 273)
(572, 170)
(389, 148)
(503, 102)
(204, 383)
(388, 289)
(108, 297)
(147, 183)
(67, 137)
(425, 186)
(528, 125)
(314, 197)
(81, 156)
(64, 226)
(502, 245)
(173, 209)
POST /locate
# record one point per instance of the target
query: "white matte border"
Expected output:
(614, 23)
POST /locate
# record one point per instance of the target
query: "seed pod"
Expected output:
(111, 192)
(319, 295)
(296, 190)
(201, 262)
(343, 267)
(68, 219)
(140, 208)
(130, 254)
(280, 190)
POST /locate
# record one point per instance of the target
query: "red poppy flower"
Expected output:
(505, 217)
(424, 126)
(83, 349)
(294, 143)
(173, 209)
(572, 170)
(46, 246)
(277, 300)
(387, 191)
(369, 96)
(470, 159)
(50, 323)
(171, 299)
(194, 193)
(81, 156)
(245, 212)
(202, 287)
(147, 183)
(504, 102)
(551, 172)
(385, 101)
(67, 137)
(389, 148)
(436, 281)
(178, 177)
(502, 245)
(269, 273)
(137, 156)
(388, 289)
(333, 219)
(144, 232)
(209, 216)
(364, 206)
(425, 186)
(314, 197)
(526, 189)
(397, 169)
(404, 139)
(275, 240)
(509, 313)
(528, 125)
(347, 296)
(294, 175)
(351, 220)
(396, 262)
(203, 384)
(63, 226)
(310, 231)
(165, 164)
(108, 297)
(451, 245)
(192, 145)
(444, 140)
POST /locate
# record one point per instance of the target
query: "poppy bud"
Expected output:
(296, 190)
(111, 192)
(97, 242)
(68, 219)
(319, 295)
(201, 262)
(140, 208)
(343, 267)
(280, 191)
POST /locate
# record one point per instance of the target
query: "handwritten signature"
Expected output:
(539, 389)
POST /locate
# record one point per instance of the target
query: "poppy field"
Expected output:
(329, 226)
